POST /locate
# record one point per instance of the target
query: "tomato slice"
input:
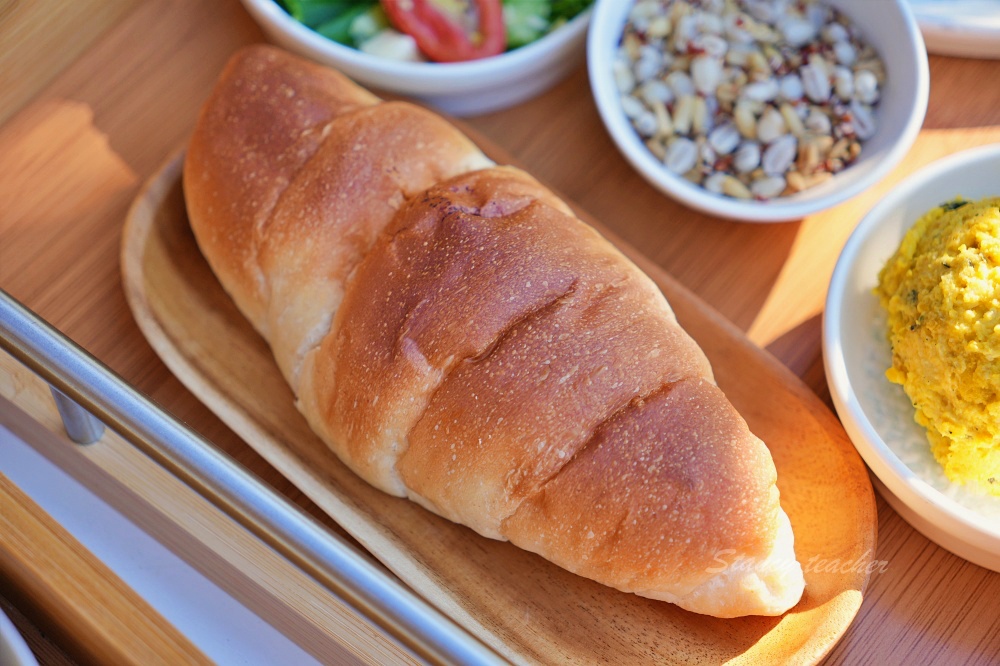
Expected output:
(440, 38)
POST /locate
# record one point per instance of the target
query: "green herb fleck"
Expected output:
(953, 205)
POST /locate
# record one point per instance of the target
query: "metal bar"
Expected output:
(296, 535)
(81, 426)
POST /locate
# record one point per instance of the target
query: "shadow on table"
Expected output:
(801, 349)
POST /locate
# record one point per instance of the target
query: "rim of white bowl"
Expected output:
(457, 73)
(13, 645)
(605, 29)
(893, 472)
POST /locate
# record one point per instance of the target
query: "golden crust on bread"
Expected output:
(264, 120)
(457, 336)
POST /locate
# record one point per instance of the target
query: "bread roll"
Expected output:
(457, 336)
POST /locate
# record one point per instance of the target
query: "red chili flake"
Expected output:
(723, 163)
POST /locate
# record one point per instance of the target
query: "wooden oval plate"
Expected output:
(528, 610)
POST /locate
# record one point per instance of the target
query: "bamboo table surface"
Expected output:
(98, 93)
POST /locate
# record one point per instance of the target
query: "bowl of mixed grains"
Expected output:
(759, 110)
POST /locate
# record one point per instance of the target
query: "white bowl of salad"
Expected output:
(464, 57)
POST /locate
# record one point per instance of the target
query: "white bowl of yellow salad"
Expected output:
(464, 57)
(877, 413)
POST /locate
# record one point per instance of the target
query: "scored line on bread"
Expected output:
(457, 336)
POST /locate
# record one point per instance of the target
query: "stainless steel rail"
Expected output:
(325, 556)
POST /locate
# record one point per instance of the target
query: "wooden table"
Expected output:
(97, 93)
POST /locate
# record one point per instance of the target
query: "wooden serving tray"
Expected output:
(528, 610)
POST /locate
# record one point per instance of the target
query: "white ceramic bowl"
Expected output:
(459, 89)
(962, 28)
(888, 25)
(13, 650)
(877, 414)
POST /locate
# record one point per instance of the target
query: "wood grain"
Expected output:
(44, 651)
(141, 78)
(62, 577)
(527, 609)
(197, 532)
(44, 37)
